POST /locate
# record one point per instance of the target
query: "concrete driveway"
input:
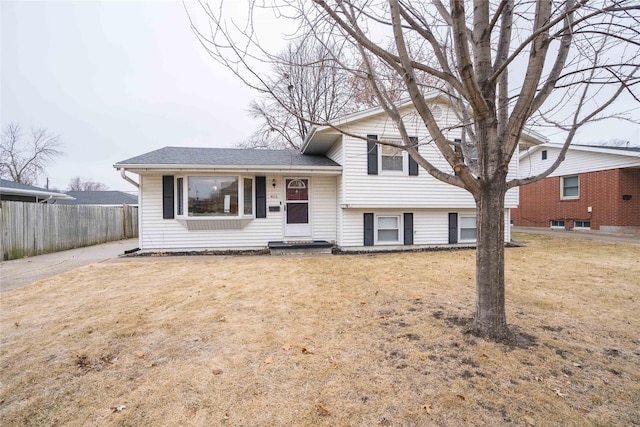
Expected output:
(20, 272)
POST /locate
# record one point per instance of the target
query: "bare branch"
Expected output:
(23, 159)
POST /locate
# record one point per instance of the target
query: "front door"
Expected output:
(297, 208)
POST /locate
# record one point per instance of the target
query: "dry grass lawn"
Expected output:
(362, 340)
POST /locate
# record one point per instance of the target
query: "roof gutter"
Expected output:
(124, 176)
(25, 192)
(308, 138)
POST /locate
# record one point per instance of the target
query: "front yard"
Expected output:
(362, 340)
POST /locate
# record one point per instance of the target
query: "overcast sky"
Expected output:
(116, 79)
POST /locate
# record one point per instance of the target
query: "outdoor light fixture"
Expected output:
(273, 183)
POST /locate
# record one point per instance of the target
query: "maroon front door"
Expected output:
(297, 208)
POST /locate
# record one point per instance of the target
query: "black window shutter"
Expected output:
(453, 228)
(167, 196)
(458, 149)
(261, 196)
(408, 229)
(368, 229)
(413, 165)
(372, 156)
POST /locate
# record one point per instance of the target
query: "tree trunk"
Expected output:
(490, 319)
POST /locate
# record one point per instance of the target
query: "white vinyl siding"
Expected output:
(165, 234)
(161, 234)
(430, 226)
(507, 225)
(576, 161)
(336, 154)
(388, 190)
(323, 208)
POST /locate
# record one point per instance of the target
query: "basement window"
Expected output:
(468, 229)
(583, 225)
(557, 223)
(388, 229)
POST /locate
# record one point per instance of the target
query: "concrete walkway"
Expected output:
(595, 235)
(20, 272)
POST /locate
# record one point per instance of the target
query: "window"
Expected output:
(216, 196)
(179, 185)
(472, 151)
(213, 195)
(569, 187)
(388, 229)
(248, 196)
(392, 158)
(582, 224)
(544, 154)
(389, 159)
(559, 223)
(467, 229)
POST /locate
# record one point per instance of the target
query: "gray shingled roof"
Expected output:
(227, 157)
(99, 198)
(20, 186)
(610, 147)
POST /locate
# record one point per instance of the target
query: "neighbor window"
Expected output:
(392, 158)
(569, 187)
(213, 195)
(388, 229)
(582, 224)
(467, 229)
(557, 223)
(544, 154)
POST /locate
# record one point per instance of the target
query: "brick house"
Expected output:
(594, 188)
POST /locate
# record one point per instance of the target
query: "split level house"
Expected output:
(594, 188)
(338, 188)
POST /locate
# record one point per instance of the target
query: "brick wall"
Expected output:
(602, 191)
(630, 185)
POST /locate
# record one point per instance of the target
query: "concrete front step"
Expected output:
(300, 247)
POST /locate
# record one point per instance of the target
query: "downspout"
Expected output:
(126, 178)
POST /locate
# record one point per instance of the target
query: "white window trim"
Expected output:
(460, 239)
(582, 228)
(400, 230)
(557, 227)
(185, 198)
(405, 158)
(562, 196)
(253, 197)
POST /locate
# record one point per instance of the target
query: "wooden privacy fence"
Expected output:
(38, 228)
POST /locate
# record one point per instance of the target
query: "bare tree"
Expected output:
(24, 157)
(306, 85)
(502, 64)
(81, 184)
